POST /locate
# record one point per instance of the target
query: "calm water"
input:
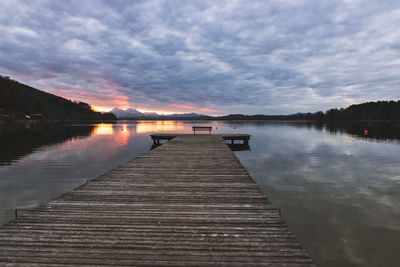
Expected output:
(339, 190)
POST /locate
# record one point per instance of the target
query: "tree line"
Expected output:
(18, 101)
(371, 111)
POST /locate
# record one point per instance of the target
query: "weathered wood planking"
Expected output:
(188, 202)
(157, 137)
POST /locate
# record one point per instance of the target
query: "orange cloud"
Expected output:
(101, 108)
(104, 102)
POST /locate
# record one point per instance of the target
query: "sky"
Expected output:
(209, 57)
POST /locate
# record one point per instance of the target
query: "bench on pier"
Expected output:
(202, 128)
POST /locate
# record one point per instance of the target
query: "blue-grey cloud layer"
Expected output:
(234, 56)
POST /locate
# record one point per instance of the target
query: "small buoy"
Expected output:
(366, 132)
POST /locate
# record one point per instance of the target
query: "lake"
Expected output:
(338, 186)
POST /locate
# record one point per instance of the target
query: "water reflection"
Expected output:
(103, 128)
(159, 126)
(239, 147)
(18, 140)
(372, 131)
(376, 131)
(338, 191)
(44, 161)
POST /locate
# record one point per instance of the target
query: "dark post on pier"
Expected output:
(188, 202)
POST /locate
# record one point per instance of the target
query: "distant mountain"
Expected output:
(131, 113)
(185, 115)
(20, 101)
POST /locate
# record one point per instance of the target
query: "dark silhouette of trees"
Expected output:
(371, 111)
(18, 100)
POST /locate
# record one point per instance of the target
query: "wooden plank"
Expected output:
(188, 202)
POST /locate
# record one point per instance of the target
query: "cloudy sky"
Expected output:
(211, 57)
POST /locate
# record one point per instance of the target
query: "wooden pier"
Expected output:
(188, 202)
(244, 138)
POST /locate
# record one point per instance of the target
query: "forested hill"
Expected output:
(19, 101)
(371, 111)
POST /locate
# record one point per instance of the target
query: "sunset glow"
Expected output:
(166, 125)
(122, 135)
(160, 112)
(103, 129)
(122, 132)
(175, 110)
(101, 109)
(158, 126)
(213, 58)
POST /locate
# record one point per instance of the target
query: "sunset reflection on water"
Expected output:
(120, 133)
(140, 127)
(103, 129)
(159, 126)
(338, 191)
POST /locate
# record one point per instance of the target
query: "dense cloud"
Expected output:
(212, 57)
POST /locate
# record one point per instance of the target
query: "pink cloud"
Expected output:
(209, 110)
